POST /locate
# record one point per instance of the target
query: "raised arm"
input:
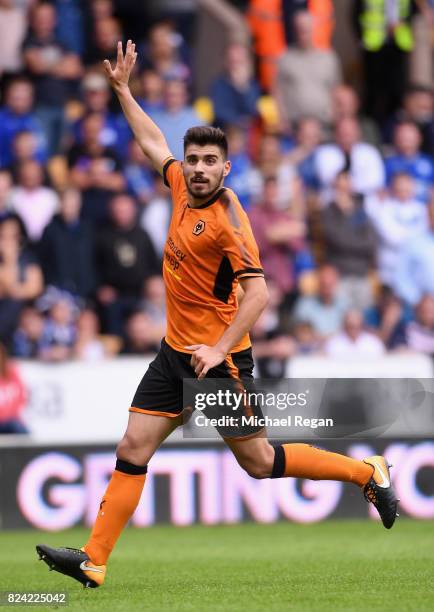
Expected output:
(147, 133)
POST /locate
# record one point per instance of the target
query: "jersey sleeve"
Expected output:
(172, 173)
(238, 243)
(174, 179)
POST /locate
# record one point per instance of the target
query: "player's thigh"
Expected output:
(159, 393)
(144, 434)
(254, 454)
(154, 412)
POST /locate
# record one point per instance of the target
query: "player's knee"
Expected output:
(132, 448)
(257, 471)
(129, 442)
(259, 468)
(260, 464)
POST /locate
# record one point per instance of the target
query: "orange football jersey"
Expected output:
(208, 249)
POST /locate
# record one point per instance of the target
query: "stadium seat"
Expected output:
(204, 108)
(267, 109)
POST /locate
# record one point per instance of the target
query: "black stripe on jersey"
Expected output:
(224, 280)
(231, 211)
(249, 271)
(165, 169)
(235, 221)
(214, 198)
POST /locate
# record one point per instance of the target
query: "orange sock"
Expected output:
(305, 461)
(117, 507)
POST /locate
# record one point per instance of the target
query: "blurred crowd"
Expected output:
(337, 178)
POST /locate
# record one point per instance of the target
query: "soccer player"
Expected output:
(210, 249)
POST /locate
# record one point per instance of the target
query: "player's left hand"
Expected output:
(204, 358)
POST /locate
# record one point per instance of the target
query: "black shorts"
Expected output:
(161, 391)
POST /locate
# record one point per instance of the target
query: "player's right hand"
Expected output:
(204, 358)
(119, 76)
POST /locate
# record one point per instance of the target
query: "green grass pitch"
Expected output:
(334, 565)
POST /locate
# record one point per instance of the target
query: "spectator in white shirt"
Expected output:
(34, 203)
(415, 269)
(347, 151)
(155, 217)
(13, 24)
(353, 340)
(397, 219)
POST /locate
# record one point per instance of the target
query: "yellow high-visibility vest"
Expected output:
(374, 26)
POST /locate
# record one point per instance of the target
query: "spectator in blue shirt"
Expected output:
(308, 137)
(139, 174)
(408, 159)
(176, 117)
(70, 26)
(151, 94)
(17, 116)
(244, 179)
(29, 339)
(54, 69)
(414, 274)
(387, 316)
(326, 309)
(60, 326)
(115, 132)
(418, 107)
(235, 93)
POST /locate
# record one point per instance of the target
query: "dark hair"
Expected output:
(415, 88)
(22, 132)
(18, 80)
(43, 3)
(22, 228)
(121, 194)
(345, 171)
(270, 178)
(303, 119)
(405, 121)
(205, 135)
(385, 291)
(402, 174)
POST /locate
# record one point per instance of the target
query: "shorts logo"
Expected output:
(199, 227)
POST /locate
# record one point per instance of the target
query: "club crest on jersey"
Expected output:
(199, 227)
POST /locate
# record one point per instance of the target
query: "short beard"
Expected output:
(209, 193)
